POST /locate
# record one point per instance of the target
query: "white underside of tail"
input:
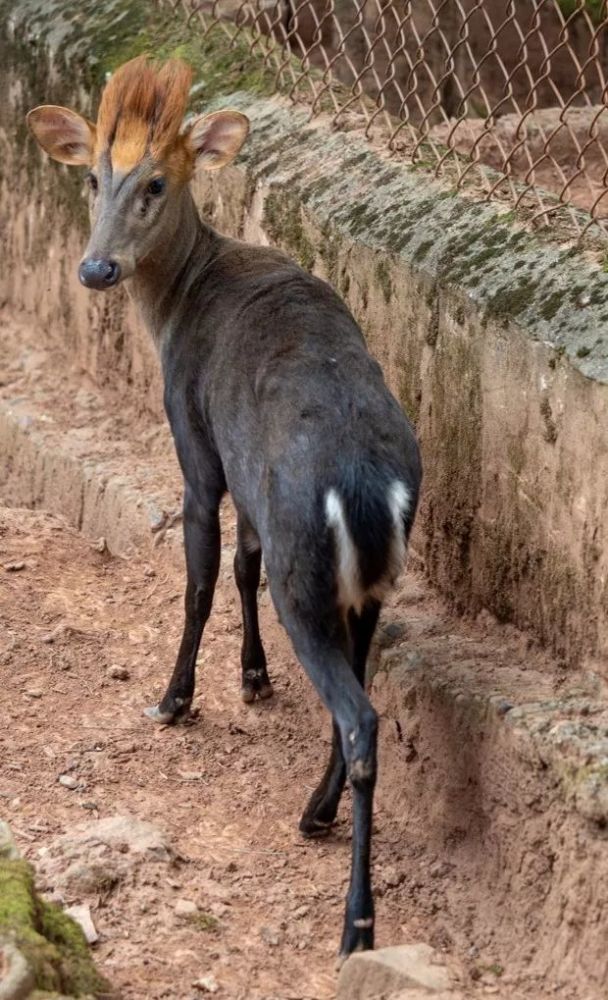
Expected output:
(351, 592)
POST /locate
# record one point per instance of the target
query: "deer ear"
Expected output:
(63, 134)
(215, 139)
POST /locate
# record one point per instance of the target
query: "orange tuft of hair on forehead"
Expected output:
(142, 108)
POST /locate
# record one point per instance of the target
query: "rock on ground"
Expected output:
(82, 915)
(8, 849)
(97, 855)
(389, 971)
(43, 953)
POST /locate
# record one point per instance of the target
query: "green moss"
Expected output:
(329, 250)
(90, 40)
(550, 431)
(205, 922)
(422, 250)
(511, 300)
(383, 277)
(551, 305)
(222, 64)
(476, 262)
(454, 478)
(575, 292)
(574, 776)
(283, 223)
(595, 8)
(356, 215)
(495, 969)
(582, 352)
(53, 945)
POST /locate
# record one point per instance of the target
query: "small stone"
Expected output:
(158, 520)
(49, 637)
(185, 909)
(119, 673)
(82, 916)
(191, 775)
(390, 633)
(392, 970)
(391, 877)
(8, 848)
(34, 693)
(14, 567)
(440, 869)
(269, 936)
(206, 984)
(68, 781)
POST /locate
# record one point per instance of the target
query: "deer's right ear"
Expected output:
(63, 134)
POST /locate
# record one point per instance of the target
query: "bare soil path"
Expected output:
(227, 790)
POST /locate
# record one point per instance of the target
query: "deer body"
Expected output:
(272, 395)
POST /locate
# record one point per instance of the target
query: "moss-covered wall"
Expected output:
(494, 340)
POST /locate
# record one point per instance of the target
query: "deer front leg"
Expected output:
(247, 566)
(202, 546)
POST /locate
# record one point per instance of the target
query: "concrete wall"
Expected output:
(493, 340)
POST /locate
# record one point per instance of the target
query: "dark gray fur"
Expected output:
(272, 395)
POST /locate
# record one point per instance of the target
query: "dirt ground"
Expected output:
(87, 641)
(227, 789)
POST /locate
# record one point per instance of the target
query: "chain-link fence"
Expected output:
(509, 94)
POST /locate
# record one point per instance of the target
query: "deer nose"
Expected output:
(95, 272)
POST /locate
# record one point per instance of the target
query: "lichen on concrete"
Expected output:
(508, 272)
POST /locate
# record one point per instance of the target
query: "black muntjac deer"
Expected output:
(271, 395)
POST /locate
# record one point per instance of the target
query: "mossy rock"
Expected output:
(54, 950)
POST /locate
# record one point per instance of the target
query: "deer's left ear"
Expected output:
(63, 134)
(215, 139)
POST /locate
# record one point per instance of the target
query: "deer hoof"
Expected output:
(313, 829)
(256, 687)
(162, 718)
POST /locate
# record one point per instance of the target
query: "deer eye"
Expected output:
(91, 181)
(156, 186)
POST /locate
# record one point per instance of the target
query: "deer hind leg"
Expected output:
(356, 723)
(322, 809)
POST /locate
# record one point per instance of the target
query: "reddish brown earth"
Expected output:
(226, 789)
